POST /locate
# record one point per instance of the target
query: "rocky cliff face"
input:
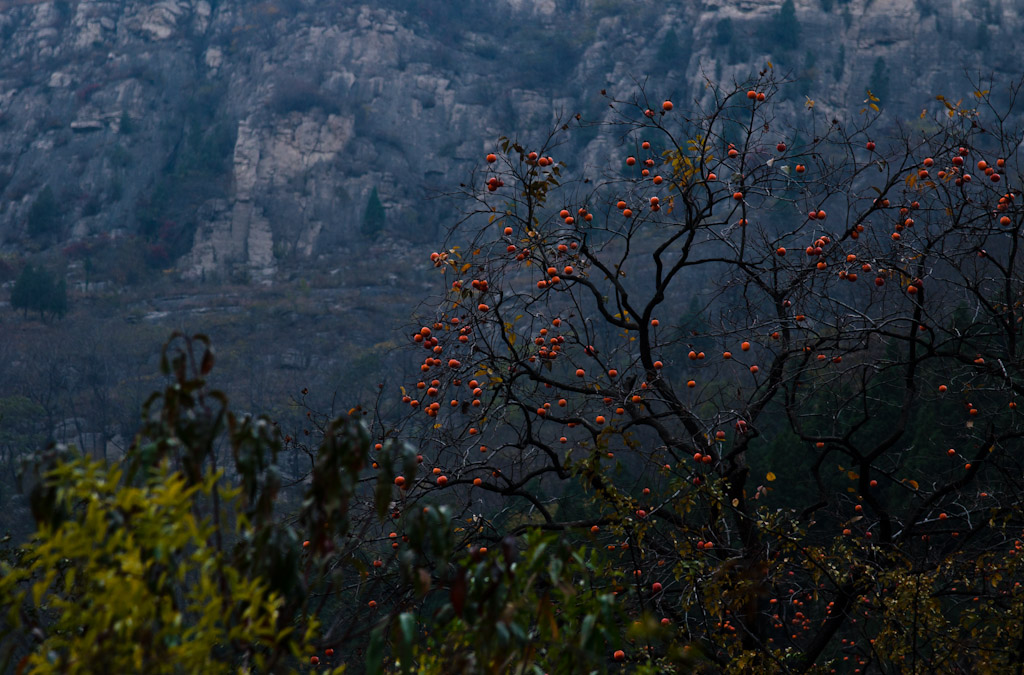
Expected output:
(230, 137)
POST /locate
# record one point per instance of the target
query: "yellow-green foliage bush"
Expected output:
(130, 579)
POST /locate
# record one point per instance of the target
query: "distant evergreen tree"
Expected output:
(36, 290)
(840, 65)
(126, 126)
(57, 300)
(669, 51)
(982, 36)
(724, 37)
(24, 289)
(879, 81)
(44, 216)
(809, 74)
(374, 218)
(723, 31)
(785, 29)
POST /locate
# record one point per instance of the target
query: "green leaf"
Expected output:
(587, 629)
(375, 652)
(407, 623)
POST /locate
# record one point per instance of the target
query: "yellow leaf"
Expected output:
(464, 268)
(873, 106)
(37, 591)
(809, 103)
(771, 476)
(852, 475)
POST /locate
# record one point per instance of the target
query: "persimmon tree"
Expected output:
(766, 367)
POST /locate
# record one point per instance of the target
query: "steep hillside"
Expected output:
(232, 139)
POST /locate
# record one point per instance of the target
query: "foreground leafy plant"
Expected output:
(130, 580)
(144, 567)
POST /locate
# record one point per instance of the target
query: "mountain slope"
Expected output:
(236, 138)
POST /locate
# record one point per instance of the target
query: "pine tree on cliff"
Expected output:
(44, 216)
(36, 289)
(785, 30)
(879, 81)
(374, 218)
